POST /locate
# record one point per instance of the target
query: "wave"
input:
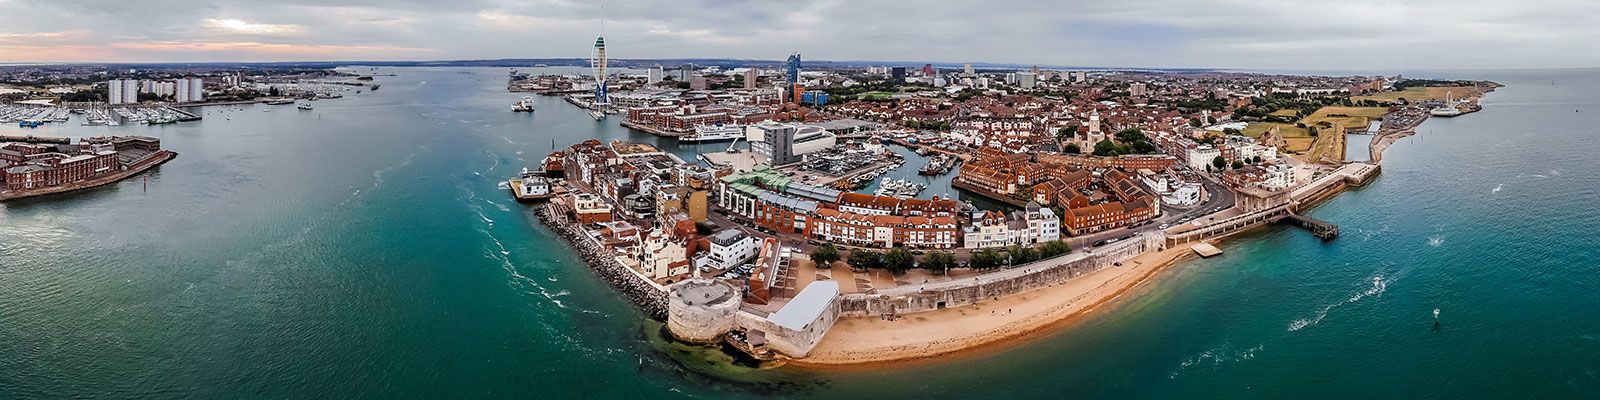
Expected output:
(1497, 188)
(1378, 286)
(1218, 356)
(1436, 241)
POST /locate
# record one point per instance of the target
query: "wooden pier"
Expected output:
(1321, 229)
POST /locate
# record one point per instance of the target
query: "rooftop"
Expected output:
(806, 307)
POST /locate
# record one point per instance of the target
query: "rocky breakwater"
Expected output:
(649, 297)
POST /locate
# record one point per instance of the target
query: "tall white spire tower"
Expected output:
(598, 62)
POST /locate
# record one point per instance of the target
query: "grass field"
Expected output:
(1422, 93)
(1285, 113)
(1256, 129)
(877, 95)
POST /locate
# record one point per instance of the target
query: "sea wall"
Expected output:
(1023, 278)
(648, 296)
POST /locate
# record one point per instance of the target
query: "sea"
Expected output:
(365, 249)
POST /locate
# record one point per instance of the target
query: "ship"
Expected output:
(524, 105)
(713, 133)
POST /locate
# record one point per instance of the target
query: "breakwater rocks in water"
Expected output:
(648, 296)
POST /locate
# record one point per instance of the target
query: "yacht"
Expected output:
(597, 114)
(524, 105)
(303, 106)
(713, 133)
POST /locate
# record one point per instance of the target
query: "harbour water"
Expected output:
(364, 250)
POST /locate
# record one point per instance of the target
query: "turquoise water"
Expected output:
(364, 250)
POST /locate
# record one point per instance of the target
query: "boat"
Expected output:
(530, 186)
(524, 105)
(898, 188)
(939, 165)
(374, 87)
(597, 114)
(266, 109)
(303, 106)
(713, 133)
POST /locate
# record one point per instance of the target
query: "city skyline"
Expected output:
(1210, 34)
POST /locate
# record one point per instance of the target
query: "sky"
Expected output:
(1286, 34)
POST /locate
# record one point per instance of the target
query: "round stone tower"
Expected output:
(700, 310)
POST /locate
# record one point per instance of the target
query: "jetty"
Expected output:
(1321, 229)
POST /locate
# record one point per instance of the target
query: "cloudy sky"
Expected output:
(1305, 34)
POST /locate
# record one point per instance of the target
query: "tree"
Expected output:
(1219, 162)
(1022, 254)
(1105, 148)
(1255, 160)
(899, 260)
(1237, 164)
(1072, 148)
(1053, 248)
(824, 255)
(1312, 130)
(938, 262)
(863, 259)
(986, 259)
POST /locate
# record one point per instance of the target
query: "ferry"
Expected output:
(713, 133)
(524, 105)
(1445, 112)
(531, 186)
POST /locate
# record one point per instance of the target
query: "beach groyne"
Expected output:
(643, 293)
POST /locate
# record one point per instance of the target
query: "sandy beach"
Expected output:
(858, 342)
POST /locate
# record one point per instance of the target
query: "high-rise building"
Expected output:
(793, 76)
(927, 70)
(967, 70)
(122, 91)
(897, 74)
(1136, 89)
(1082, 76)
(750, 76)
(166, 89)
(653, 75)
(1026, 80)
(684, 72)
(189, 90)
(147, 86)
(114, 91)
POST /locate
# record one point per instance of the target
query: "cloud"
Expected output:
(1307, 34)
(235, 26)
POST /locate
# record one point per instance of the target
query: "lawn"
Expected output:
(877, 95)
(1256, 129)
(1421, 93)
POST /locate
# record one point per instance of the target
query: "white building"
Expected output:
(729, 248)
(122, 91)
(1031, 227)
(189, 90)
(653, 75)
(1026, 80)
(1199, 158)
